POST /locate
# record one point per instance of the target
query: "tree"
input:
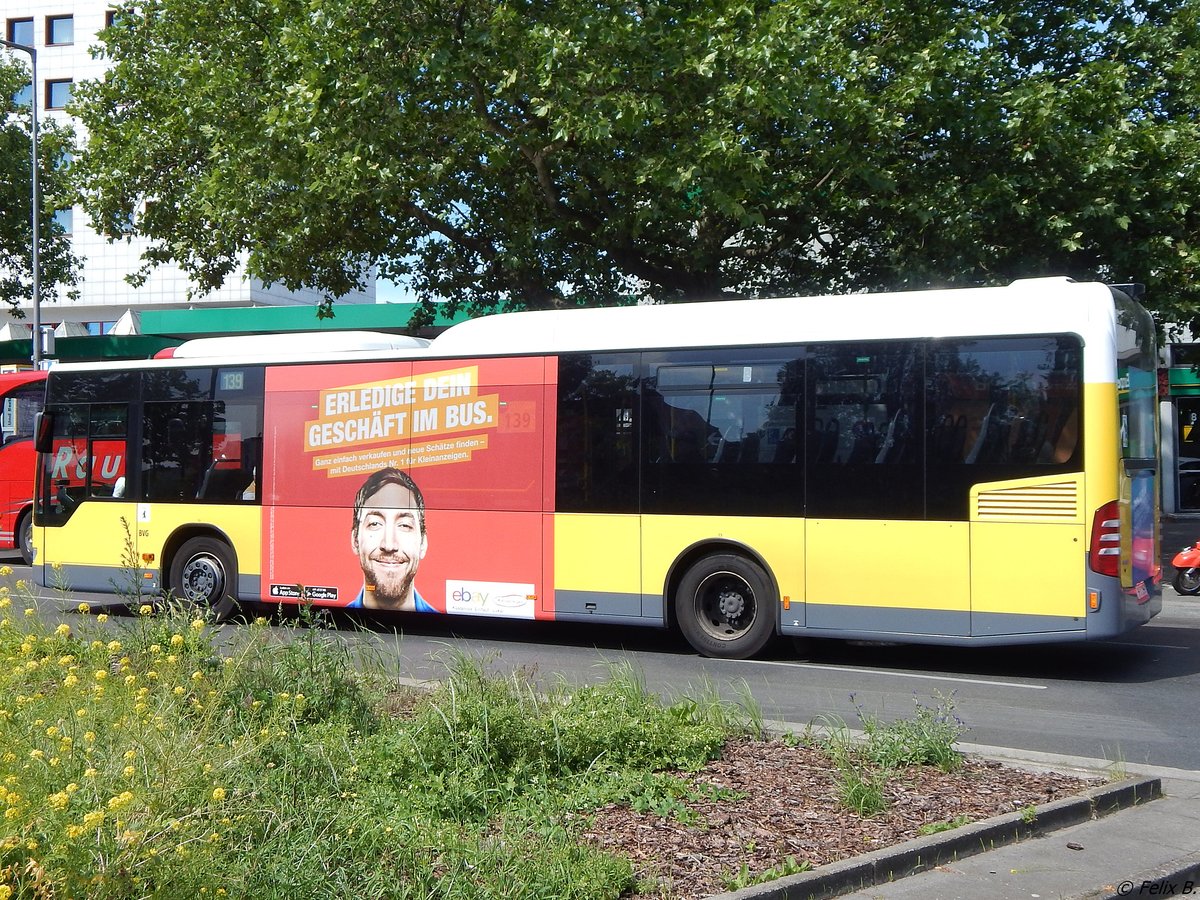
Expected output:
(530, 154)
(59, 267)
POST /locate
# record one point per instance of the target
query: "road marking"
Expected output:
(1139, 644)
(893, 674)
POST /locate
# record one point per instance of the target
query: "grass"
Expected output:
(151, 765)
(156, 761)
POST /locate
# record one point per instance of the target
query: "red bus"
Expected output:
(22, 394)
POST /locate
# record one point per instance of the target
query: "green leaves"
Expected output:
(58, 266)
(537, 154)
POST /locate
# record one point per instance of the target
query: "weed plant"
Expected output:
(925, 739)
(865, 765)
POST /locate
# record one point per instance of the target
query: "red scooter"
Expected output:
(1187, 569)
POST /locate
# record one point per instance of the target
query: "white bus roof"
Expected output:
(1031, 306)
(300, 345)
(1043, 305)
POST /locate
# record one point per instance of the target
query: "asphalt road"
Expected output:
(1132, 700)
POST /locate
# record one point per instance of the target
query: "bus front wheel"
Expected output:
(202, 575)
(725, 606)
(25, 537)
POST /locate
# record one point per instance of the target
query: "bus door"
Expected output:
(596, 531)
(81, 476)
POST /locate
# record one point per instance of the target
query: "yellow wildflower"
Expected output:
(102, 618)
(177, 640)
(59, 800)
(218, 794)
(197, 624)
(63, 630)
(121, 800)
(145, 609)
(84, 608)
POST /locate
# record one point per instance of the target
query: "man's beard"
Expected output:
(391, 588)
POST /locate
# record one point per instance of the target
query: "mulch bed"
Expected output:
(788, 805)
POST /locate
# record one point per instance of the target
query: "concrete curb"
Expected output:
(1163, 881)
(923, 853)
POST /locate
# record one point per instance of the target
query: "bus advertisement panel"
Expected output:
(463, 447)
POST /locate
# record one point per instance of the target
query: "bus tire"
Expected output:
(725, 606)
(25, 536)
(202, 575)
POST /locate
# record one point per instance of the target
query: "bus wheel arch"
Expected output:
(724, 600)
(24, 535)
(200, 569)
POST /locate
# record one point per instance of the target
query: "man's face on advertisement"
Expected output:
(390, 547)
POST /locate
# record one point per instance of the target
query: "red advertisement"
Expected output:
(410, 485)
(98, 473)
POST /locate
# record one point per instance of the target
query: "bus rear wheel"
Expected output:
(202, 575)
(725, 606)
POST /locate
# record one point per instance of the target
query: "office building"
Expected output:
(62, 31)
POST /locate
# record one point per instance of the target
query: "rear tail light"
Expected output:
(1104, 556)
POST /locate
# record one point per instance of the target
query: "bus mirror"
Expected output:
(43, 432)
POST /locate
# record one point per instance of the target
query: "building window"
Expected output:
(23, 97)
(58, 93)
(20, 31)
(65, 218)
(60, 30)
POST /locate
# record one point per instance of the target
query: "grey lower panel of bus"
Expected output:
(98, 579)
(1119, 613)
(123, 582)
(615, 609)
(950, 626)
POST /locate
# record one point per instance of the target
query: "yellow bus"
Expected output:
(972, 466)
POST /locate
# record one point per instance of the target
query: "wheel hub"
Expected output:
(731, 603)
(202, 580)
